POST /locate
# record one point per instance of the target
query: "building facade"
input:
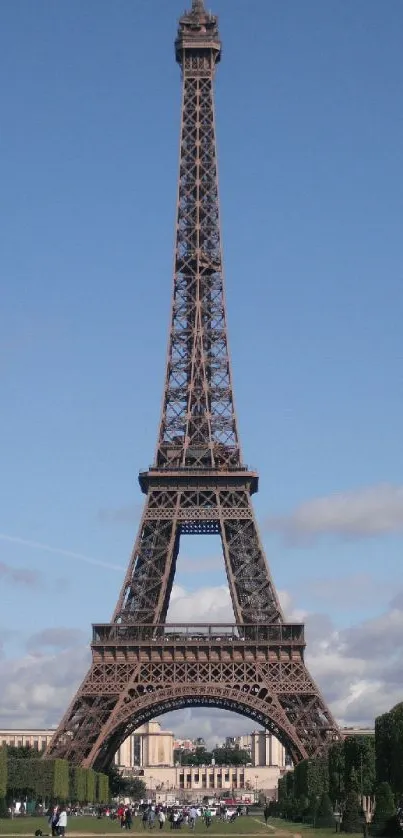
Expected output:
(263, 748)
(148, 746)
(195, 782)
(188, 745)
(37, 739)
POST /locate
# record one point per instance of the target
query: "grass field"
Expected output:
(251, 825)
(304, 830)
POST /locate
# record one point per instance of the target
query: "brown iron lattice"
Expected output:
(142, 667)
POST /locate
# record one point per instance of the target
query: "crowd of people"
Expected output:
(152, 816)
(155, 816)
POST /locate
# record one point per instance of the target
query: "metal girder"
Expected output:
(132, 681)
(198, 485)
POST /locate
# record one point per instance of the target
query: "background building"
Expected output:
(148, 746)
(188, 745)
(262, 747)
(149, 751)
(38, 739)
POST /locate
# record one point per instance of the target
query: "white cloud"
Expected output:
(370, 511)
(204, 605)
(36, 690)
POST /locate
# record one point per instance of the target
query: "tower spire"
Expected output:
(198, 7)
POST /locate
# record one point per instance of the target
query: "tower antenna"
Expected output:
(198, 7)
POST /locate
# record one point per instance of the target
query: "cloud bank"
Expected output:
(367, 512)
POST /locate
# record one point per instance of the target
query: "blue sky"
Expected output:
(310, 134)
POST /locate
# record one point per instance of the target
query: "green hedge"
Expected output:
(3, 772)
(91, 786)
(50, 779)
(78, 784)
(39, 778)
(61, 786)
(102, 790)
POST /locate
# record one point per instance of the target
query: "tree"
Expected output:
(384, 820)
(324, 815)
(311, 778)
(359, 755)
(119, 786)
(135, 788)
(198, 757)
(389, 748)
(230, 756)
(352, 818)
(116, 781)
(3, 782)
(282, 789)
(336, 773)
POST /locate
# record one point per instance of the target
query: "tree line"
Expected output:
(220, 756)
(25, 775)
(330, 789)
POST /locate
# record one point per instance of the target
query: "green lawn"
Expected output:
(250, 825)
(303, 829)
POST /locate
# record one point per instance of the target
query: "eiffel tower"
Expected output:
(143, 667)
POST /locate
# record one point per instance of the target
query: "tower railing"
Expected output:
(122, 633)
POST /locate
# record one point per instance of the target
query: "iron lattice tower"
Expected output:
(198, 484)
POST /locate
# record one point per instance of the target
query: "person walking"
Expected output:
(128, 818)
(62, 822)
(266, 814)
(53, 819)
(161, 818)
(192, 817)
(121, 815)
(207, 817)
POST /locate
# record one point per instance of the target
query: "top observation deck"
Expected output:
(198, 30)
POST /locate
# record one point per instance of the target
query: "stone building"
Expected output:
(194, 782)
(148, 746)
(37, 739)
